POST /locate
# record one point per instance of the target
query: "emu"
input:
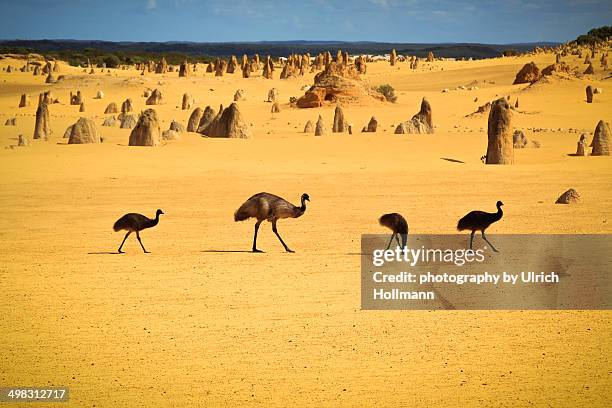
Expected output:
(266, 206)
(398, 225)
(480, 221)
(133, 222)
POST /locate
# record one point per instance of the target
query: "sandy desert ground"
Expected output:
(201, 321)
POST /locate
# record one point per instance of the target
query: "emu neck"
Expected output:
(153, 222)
(303, 207)
(499, 213)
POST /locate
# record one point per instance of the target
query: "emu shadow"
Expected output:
(452, 160)
(230, 251)
(104, 253)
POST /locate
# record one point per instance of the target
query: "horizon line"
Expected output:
(283, 41)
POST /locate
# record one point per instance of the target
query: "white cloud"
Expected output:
(151, 5)
(381, 3)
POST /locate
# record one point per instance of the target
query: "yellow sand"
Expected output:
(198, 322)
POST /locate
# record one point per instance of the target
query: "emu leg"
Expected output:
(485, 238)
(143, 248)
(471, 238)
(392, 236)
(255, 237)
(123, 242)
(397, 238)
(404, 240)
(279, 237)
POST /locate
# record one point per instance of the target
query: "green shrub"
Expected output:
(111, 61)
(388, 91)
(595, 35)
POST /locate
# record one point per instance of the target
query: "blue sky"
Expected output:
(487, 21)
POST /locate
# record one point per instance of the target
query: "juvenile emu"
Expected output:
(480, 221)
(133, 222)
(398, 224)
(266, 206)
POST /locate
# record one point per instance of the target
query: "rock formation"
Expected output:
(185, 69)
(25, 101)
(309, 127)
(187, 102)
(571, 196)
(275, 107)
(337, 83)
(589, 70)
(84, 131)
(340, 124)
(268, 68)
(246, 71)
(23, 141)
(500, 147)
(127, 121)
(239, 95)
(82, 107)
(602, 140)
(109, 121)
(177, 127)
(360, 65)
(220, 67)
(232, 66)
(581, 146)
(170, 135)
(273, 95)
(126, 106)
(41, 127)
(155, 98)
(76, 99)
(371, 126)
(194, 120)
(162, 67)
(589, 94)
(528, 74)
(560, 67)
(229, 123)
(420, 123)
(208, 116)
(393, 57)
(147, 131)
(519, 140)
(111, 108)
(320, 127)
(68, 131)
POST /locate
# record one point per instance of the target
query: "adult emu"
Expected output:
(133, 222)
(398, 225)
(480, 221)
(266, 206)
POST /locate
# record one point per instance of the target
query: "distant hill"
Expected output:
(273, 48)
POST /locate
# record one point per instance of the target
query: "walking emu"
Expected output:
(396, 223)
(133, 222)
(266, 206)
(480, 221)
